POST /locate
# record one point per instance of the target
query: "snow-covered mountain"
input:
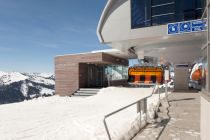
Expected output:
(16, 87)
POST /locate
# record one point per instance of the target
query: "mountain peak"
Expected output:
(16, 86)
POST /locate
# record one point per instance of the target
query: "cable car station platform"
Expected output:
(181, 122)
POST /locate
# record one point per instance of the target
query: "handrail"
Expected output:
(114, 112)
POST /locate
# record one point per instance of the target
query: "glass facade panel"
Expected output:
(159, 10)
(159, 20)
(146, 13)
(189, 9)
(158, 2)
(116, 72)
(138, 13)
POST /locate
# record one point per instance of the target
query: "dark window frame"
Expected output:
(175, 16)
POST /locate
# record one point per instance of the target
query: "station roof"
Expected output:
(113, 52)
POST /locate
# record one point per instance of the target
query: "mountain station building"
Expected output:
(89, 70)
(176, 31)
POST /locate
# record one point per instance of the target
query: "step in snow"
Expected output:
(83, 94)
(87, 91)
(88, 94)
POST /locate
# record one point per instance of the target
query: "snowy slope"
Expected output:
(73, 118)
(16, 87)
(8, 78)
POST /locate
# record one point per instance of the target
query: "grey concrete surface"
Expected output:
(183, 122)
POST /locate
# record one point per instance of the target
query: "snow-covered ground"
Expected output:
(73, 118)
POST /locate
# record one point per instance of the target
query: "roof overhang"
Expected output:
(102, 20)
(114, 29)
(173, 48)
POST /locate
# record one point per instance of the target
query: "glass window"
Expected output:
(165, 9)
(188, 9)
(125, 72)
(146, 13)
(162, 19)
(116, 72)
(138, 13)
(159, 2)
(198, 13)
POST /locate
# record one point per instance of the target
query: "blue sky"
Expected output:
(33, 32)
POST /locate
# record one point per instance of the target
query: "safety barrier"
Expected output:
(139, 108)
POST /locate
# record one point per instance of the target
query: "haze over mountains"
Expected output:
(17, 87)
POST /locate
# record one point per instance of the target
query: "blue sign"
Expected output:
(185, 27)
(173, 28)
(198, 25)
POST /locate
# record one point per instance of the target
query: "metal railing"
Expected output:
(139, 108)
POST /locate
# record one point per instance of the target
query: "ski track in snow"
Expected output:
(73, 118)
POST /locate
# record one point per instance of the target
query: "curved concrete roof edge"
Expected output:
(102, 19)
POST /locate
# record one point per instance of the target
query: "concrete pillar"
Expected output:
(181, 81)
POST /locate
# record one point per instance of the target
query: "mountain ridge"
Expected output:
(17, 86)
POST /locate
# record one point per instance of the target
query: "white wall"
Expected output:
(117, 24)
(117, 21)
(205, 118)
(181, 78)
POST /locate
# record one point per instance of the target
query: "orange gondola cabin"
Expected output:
(145, 74)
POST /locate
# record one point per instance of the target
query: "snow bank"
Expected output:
(69, 118)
